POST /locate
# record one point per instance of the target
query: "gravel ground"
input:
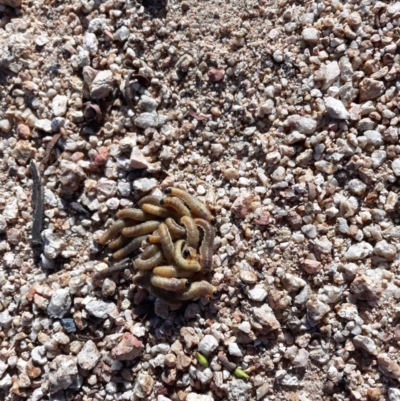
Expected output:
(282, 117)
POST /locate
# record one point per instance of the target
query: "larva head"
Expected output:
(186, 253)
(168, 190)
(215, 294)
(161, 202)
(187, 284)
(213, 221)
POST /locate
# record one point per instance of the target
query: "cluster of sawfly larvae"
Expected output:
(176, 235)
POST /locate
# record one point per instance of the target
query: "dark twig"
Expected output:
(38, 210)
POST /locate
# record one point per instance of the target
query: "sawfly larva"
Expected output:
(134, 245)
(199, 288)
(175, 229)
(150, 263)
(177, 205)
(170, 284)
(171, 271)
(157, 211)
(206, 247)
(150, 251)
(118, 243)
(197, 208)
(144, 281)
(166, 243)
(192, 239)
(112, 232)
(141, 229)
(134, 214)
(191, 263)
(150, 199)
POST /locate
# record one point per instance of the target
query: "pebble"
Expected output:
(366, 288)
(198, 397)
(396, 167)
(137, 160)
(216, 75)
(359, 251)
(336, 108)
(59, 105)
(144, 185)
(147, 104)
(5, 126)
(63, 372)
(44, 125)
(102, 85)
(312, 266)
(143, 385)
(330, 74)
(373, 137)
(149, 120)
(189, 337)
(266, 318)
(370, 89)
(60, 303)
(393, 394)
(365, 343)
(386, 250)
(99, 308)
(388, 367)
(88, 356)
(304, 125)
(239, 390)
(204, 375)
(248, 277)
(315, 311)
(129, 348)
(347, 311)
(310, 35)
(208, 344)
(241, 205)
(234, 350)
(257, 293)
(121, 34)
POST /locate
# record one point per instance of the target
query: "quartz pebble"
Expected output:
(208, 344)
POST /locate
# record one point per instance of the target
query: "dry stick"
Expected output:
(38, 210)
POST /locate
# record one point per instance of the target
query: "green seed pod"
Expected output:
(241, 374)
(202, 360)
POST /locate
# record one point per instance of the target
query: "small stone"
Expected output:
(189, 336)
(390, 135)
(241, 205)
(143, 385)
(208, 344)
(129, 348)
(336, 109)
(216, 75)
(347, 311)
(108, 287)
(279, 174)
(137, 160)
(5, 126)
(366, 288)
(143, 185)
(365, 343)
(292, 283)
(23, 131)
(88, 356)
(388, 367)
(59, 105)
(370, 89)
(331, 73)
(147, 104)
(304, 125)
(69, 325)
(199, 397)
(60, 303)
(386, 250)
(310, 35)
(204, 375)
(373, 137)
(183, 361)
(396, 167)
(121, 34)
(63, 372)
(44, 125)
(257, 293)
(316, 311)
(325, 167)
(101, 157)
(357, 187)
(23, 152)
(265, 316)
(312, 266)
(359, 251)
(102, 85)
(234, 350)
(310, 230)
(5, 319)
(248, 277)
(149, 120)
(239, 390)
(393, 394)
(245, 327)
(100, 309)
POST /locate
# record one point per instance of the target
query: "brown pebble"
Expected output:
(312, 266)
(23, 131)
(374, 394)
(248, 277)
(215, 74)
